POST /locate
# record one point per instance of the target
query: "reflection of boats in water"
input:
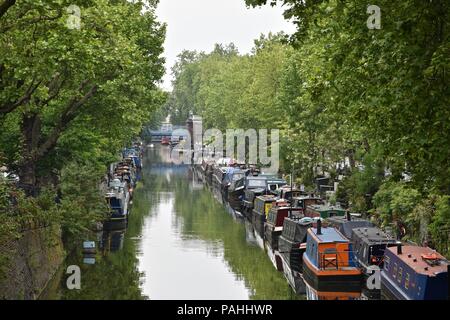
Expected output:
(313, 294)
(112, 241)
(294, 278)
(259, 240)
(195, 182)
(249, 233)
(275, 257)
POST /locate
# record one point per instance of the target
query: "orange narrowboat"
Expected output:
(328, 263)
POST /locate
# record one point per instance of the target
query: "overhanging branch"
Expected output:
(5, 5)
(11, 106)
(68, 115)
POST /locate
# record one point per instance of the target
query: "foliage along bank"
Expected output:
(70, 99)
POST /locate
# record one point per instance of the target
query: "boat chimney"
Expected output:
(319, 227)
(399, 248)
(349, 217)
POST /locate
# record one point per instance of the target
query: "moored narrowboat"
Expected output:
(328, 263)
(414, 273)
(118, 199)
(369, 245)
(346, 224)
(291, 243)
(231, 175)
(305, 201)
(287, 193)
(238, 190)
(247, 203)
(274, 224)
(312, 294)
(323, 211)
(263, 204)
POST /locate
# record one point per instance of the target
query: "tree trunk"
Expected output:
(31, 125)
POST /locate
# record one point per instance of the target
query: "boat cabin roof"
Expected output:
(413, 256)
(325, 208)
(266, 198)
(372, 236)
(346, 227)
(328, 235)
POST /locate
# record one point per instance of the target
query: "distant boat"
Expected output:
(165, 141)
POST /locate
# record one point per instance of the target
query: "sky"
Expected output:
(199, 24)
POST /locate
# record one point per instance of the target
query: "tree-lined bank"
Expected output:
(71, 97)
(376, 99)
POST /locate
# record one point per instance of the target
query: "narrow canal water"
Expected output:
(181, 243)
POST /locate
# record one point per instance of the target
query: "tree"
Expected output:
(100, 77)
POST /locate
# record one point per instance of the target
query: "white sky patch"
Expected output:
(199, 24)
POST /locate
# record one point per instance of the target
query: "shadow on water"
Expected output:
(180, 244)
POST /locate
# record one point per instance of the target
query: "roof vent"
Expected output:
(409, 255)
(426, 268)
(414, 260)
(399, 248)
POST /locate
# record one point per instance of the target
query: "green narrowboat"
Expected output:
(324, 211)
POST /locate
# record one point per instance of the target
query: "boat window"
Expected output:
(239, 183)
(253, 183)
(386, 263)
(407, 281)
(400, 272)
(394, 274)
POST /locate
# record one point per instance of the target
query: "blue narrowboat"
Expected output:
(414, 273)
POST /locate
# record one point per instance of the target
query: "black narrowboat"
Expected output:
(263, 204)
(369, 245)
(292, 237)
(249, 199)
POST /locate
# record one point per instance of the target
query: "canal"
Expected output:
(181, 243)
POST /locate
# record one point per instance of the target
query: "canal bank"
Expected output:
(180, 244)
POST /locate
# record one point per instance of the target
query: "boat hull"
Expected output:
(291, 253)
(258, 221)
(272, 236)
(331, 280)
(116, 223)
(294, 278)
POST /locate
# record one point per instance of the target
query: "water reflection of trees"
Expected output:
(200, 215)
